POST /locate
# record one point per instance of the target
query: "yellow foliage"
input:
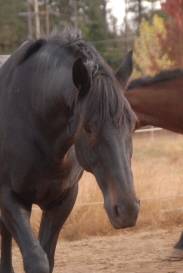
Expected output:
(148, 55)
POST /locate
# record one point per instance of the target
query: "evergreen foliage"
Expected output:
(160, 31)
(13, 27)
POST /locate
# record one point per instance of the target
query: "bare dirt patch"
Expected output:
(132, 252)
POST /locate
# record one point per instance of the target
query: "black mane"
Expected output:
(104, 95)
(163, 75)
(109, 99)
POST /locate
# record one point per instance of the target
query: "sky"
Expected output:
(118, 9)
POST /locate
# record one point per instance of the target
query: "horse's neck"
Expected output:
(53, 110)
(159, 104)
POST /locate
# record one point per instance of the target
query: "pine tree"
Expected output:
(96, 22)
(139, 9)
(13, 27)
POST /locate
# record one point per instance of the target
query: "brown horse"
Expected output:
(158, 101)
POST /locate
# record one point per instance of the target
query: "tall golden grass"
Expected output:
(158, 172)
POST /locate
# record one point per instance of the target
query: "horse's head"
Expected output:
(103, 124)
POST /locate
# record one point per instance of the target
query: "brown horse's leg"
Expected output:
(177, 251)
(52, 222)
(6, 247)
(16, 217)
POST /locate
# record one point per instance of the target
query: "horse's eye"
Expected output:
(71, 124)
(88, 130)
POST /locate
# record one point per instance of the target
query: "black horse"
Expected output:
(62, 110)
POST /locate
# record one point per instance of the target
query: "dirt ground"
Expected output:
(132, 252)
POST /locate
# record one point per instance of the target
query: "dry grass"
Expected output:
(158, 171)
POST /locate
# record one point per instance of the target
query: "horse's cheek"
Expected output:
(82, 155)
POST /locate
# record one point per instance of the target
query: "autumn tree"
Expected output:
(149, 58)
(172, 44)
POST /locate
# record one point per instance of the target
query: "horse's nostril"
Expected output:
(120, 212)
(116, 211)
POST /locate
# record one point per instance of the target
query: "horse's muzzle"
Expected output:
(123, 214)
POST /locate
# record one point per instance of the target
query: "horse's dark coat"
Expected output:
(158, 101)
(62, 111)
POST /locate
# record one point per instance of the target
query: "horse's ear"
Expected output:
(81, 77)
(124, 71)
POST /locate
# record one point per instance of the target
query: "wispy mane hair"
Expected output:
(103, 98)
(105, 95)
